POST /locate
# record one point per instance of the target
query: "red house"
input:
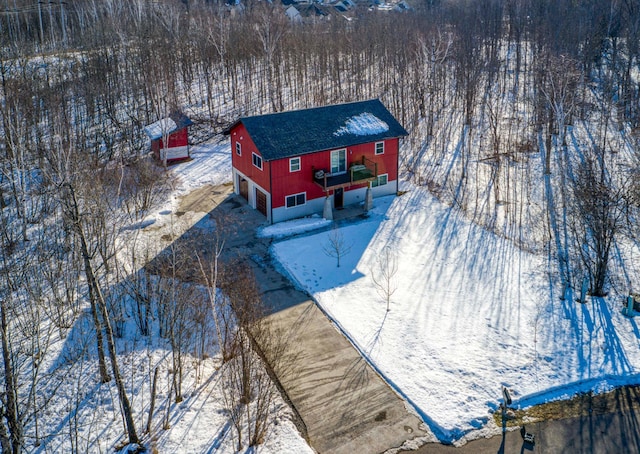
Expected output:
(292, 164)
(175, 129)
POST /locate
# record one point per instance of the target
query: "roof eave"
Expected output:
(319, 150)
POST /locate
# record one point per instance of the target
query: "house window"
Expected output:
(294, 164)
(257, 160)
(238, 149)
(379, 147)
(380, 181)
(339, 161)
(296, 200)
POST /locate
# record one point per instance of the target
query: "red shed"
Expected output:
(175, 131)
(292, 164)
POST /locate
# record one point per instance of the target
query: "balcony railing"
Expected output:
(359, 171)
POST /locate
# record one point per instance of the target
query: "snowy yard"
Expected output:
(471, 313)
(83, 414)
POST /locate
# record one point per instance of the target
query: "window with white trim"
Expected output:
(294, 164)
(380, 181)
(379, 147)
(295, 200)
(238, 149)
(339, 161)
(257, 160)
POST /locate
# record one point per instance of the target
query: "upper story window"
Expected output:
(257, 160)
(379, 147)
(238, 149)
(294, 164)
(339, 161)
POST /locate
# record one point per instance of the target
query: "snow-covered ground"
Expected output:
(293, 227)
(201, 424)
(470, 313)
(82, 415)
(210, 164)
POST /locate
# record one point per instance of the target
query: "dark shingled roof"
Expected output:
(180, 119)
(293, 133)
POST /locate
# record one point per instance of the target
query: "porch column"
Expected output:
(368, 199)
(327, 211)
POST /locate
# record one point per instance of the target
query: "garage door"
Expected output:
(261, 202)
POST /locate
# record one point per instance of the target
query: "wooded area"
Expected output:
(498, 82)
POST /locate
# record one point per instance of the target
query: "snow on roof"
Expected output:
(365, 124)
(160, 127)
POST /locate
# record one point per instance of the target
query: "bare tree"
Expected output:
(270, 28)
(249, 392)
(210, 272)
(559, 90)
(25, 337)
(141, 185)
(73, 211)
(336, 245)
(10, 410)
(601, 207)
(383, 276)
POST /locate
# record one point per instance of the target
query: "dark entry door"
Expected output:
(244, 187)
(261, 202)
(338, 198)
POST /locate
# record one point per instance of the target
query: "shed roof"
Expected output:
(175, 121)
(297, 132)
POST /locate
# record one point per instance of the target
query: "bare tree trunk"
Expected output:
(122, 394)
(11, 412)
(5, 443)
(152, 405)
(74, 215)
(102, 307)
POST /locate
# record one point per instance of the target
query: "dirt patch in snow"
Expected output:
(623, 398)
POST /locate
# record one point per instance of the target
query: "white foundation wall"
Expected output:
(352, 197)
(175, 153)
(388, 189)
(357, 196)
(314, 206)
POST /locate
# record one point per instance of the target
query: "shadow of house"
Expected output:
(237, 223)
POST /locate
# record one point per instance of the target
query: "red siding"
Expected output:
(286, 183)
(178, 138)
(281, 182)
(244, 163)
